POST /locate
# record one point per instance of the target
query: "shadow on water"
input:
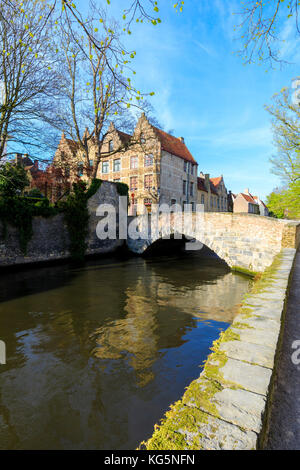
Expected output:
(96, 354)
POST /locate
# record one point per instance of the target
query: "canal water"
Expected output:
(96, 354)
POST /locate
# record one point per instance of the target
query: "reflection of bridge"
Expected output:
(242, 240)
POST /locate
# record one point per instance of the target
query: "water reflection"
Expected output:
(95, 355)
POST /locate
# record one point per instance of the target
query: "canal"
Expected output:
(96, 354)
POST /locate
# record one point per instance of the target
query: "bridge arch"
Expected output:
(244, 241)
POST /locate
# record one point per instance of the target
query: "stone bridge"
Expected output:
(244, 241)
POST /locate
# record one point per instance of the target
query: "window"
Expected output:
(202, 198)
(185, 166)
(148, 160)
(148, 181)
(117, 164)
(192, 169)
(110, 146)
(143, 140)
(191, 189)
(133, 183)
(91, 162)
(105, 167)
(134, 162)
(184, 187)
(80, 168)
(117, 180)
(173, 202)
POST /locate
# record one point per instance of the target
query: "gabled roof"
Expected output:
(248, 198)
(201, 185)
(216, 181)
(174, 145)
(259, 201)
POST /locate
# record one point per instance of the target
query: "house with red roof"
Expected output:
(212, 193)
(157, 167)
(245, 202)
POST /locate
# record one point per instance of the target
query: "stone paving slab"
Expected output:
(256, 354)
(240, 407)
(217, 434)
(260, 323)
(247, 376)
(255, 336)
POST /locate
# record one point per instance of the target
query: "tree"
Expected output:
(259, 28)
(13, 180)
(286, 131)
(276, 205)
(27, 80)
(96, 89)
(286, 163)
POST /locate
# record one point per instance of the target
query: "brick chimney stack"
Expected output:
(207, 182)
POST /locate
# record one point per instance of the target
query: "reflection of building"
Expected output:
(212, 193)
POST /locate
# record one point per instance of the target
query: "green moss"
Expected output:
(247, 272)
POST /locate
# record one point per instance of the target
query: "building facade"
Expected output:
(157, 167)
(245, 202)
(212, 193)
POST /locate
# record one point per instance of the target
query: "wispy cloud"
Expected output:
(206, 48)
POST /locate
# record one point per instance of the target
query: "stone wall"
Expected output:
(226, 407)
(50, 239)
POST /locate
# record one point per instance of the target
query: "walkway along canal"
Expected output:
(96, 354)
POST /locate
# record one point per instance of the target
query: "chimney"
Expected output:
(207, 182)
(246, 191)
(181, 139)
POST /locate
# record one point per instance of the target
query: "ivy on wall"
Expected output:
(18, 211)
(77, 216)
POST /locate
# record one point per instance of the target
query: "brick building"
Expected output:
(156, 166)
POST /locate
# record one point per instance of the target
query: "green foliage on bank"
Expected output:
(285, 203)
(18, 210)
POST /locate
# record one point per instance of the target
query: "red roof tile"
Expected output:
(173, 145)
(216, 181)
(201, 186)
(249, 198)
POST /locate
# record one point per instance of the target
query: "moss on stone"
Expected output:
(247, 272)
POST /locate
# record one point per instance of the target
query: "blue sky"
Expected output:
(204, 93)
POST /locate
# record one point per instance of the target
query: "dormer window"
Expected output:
(110, 146)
